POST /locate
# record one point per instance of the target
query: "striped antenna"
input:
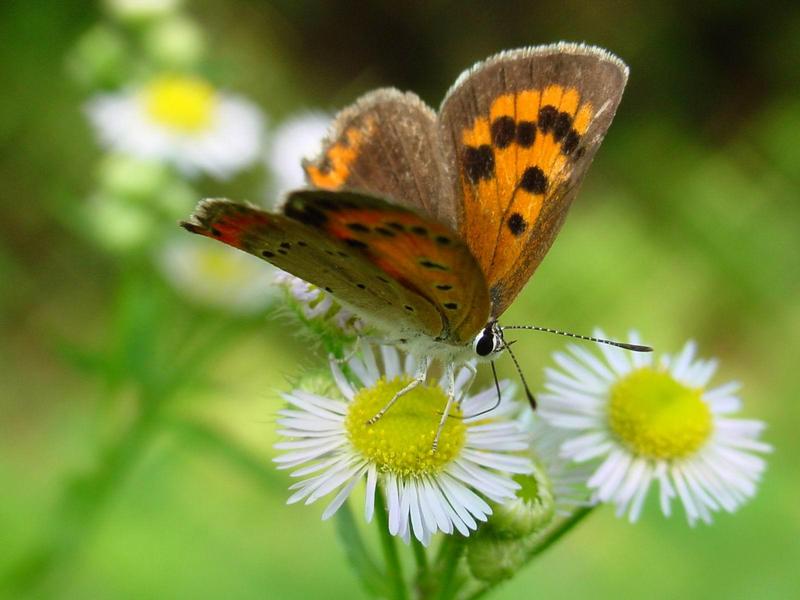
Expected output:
(623, 345)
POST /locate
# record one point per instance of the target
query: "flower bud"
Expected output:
(132, 178)
(176, 42)
(99, 59)
(118, 225)
(530, 511)
(137, 11)
(492, 558)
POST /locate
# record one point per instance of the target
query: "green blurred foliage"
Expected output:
(687, 227)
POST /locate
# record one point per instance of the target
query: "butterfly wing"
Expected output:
(421, 254)
(402, 271)
(521, 129)
(316, 257)
(387, 144)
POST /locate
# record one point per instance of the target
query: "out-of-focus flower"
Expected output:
(297, 138)
(119, 224)
(141, 10)
(176, 42)
(426, 491)
(318, 308)
(99, 58)
(217, 275)
(182, 120)
(654, 422)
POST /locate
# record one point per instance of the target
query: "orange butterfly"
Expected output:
(429, 224)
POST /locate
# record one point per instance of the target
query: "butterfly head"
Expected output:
(489, 341)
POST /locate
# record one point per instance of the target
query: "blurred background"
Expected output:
(137, 401)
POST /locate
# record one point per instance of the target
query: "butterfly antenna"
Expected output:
(528, 393)
(623, 345)
(493, 406)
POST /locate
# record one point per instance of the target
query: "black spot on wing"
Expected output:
(353, 243)
(571, 141)
(267, 254)
(358, 227)
(450, 305)
(478, 162)
(562, 126)
(305, 214)
(547, 118)
(526, 133)
(534, 180)
(503, 131)
(429, 264)
(516, 224)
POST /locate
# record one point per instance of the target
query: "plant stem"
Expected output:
(394, 570)
(541, 544)
(551, 537)
(79, 510)
(449, 559)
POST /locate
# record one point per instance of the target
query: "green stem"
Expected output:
(394, 570)
(555, 534)
(450, 555)
(541, 544)
(424, 583)
(78, 511)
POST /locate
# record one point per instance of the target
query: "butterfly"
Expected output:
(428, 224)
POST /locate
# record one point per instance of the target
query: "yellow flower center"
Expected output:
(220, 266)
(401, 441)
(180, 102)
(657, 417)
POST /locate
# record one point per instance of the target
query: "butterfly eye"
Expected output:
(485, 343)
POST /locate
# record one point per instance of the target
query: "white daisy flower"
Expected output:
(316, 305)
(182, 120)
(297, 138)
(217, 275)
(566, 478)
(333, 448)
(654, 422)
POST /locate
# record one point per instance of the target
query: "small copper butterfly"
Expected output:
(429, 224)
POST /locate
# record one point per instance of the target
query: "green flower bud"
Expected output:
(118, 225)
(137, 11)
(492, 558)
(99, 58)
(175, 42)
(531, 511)
(132, 178)
(176, 199)
(320, 383)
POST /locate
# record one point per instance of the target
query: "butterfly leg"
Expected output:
(419, 378)
(473, 374)
(450, 378)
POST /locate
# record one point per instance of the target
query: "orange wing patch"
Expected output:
(512, 163)
(335, 168)
(423, 256)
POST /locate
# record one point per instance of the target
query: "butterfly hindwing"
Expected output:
(419, 253)
(521, 129)
(387, 144)
(312, 254)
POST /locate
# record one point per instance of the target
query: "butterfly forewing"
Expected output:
(387, 144)
(325, 261)
(521, 129)
(422, 255)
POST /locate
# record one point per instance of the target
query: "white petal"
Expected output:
(369, 497)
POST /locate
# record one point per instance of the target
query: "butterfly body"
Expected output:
(428, 224)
